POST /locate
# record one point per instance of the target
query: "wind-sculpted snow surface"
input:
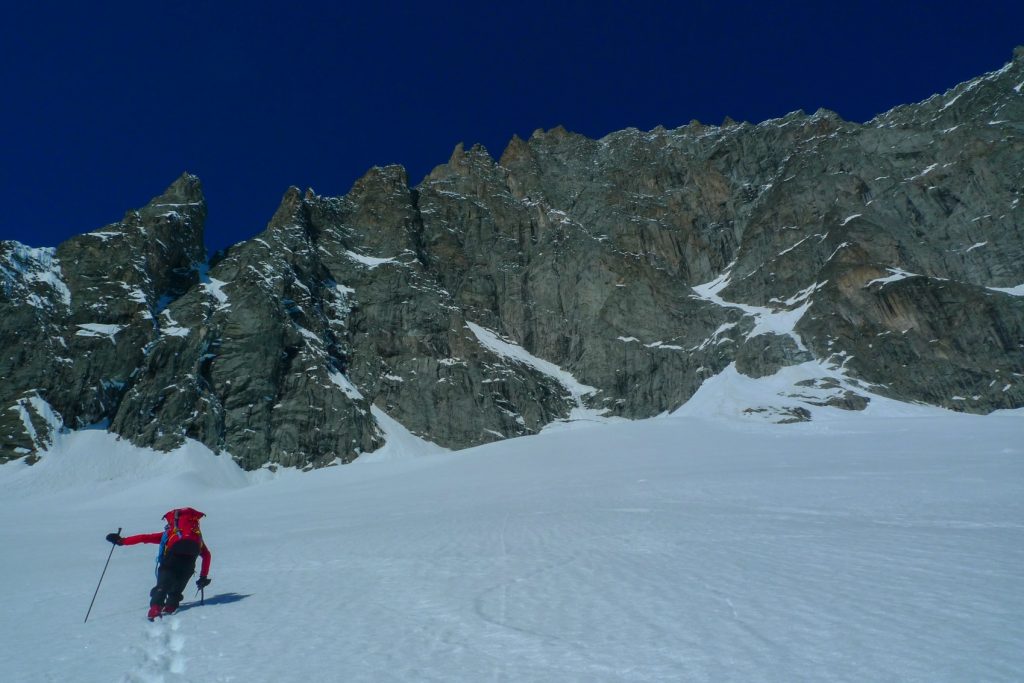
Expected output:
(858, 547)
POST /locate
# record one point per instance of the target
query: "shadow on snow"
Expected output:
(219, 599)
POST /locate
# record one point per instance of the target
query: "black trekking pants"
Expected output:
(171, 579)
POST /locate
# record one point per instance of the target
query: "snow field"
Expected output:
(680, 548)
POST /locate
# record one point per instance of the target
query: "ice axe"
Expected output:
(112, 546)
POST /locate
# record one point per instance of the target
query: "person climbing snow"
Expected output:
(181, 542)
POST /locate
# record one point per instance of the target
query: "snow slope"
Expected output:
(886, 546)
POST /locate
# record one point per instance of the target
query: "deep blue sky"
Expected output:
(103, 104)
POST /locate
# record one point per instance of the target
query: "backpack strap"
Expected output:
(160, 551)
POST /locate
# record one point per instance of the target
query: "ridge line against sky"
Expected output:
(107, 104)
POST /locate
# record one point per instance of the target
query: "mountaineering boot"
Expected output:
(170, 609)
(154, 612)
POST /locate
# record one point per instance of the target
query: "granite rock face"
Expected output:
(569, 275)
(77, 321)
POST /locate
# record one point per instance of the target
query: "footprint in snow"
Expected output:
(161, 658)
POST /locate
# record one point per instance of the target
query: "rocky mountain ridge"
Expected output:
(570, 275)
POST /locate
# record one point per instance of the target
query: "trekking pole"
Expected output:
(112, 546)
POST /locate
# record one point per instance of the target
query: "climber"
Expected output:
(181, 542)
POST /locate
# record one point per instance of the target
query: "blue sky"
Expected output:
(105, 104)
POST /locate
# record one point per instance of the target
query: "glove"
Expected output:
(203, 582)
(115, 539)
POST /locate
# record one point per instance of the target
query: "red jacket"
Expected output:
(204, 552)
